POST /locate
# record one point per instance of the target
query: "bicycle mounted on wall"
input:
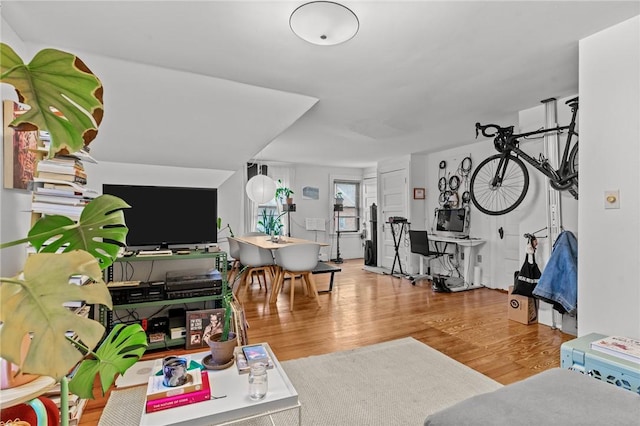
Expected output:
(500, 183)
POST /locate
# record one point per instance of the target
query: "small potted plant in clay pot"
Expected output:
(222, 345)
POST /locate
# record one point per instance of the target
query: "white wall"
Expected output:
(15, 217)
(609, 254)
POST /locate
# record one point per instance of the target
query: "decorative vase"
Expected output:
(222, 351)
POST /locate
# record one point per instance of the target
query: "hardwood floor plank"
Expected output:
(366, 308)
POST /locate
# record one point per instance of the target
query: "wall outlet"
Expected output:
(479, 258)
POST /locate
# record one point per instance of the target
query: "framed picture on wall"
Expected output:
(19, 149)
(418, 193)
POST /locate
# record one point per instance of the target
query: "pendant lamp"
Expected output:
(261, 189)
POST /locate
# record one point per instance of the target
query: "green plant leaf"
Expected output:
(122, 348)
(101, 230)
(64, 96)
(32, 303)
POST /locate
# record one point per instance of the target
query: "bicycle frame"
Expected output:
(561, 177)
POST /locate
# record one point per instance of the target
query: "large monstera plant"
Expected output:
(65, 98)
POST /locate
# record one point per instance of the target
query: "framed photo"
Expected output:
(418, 193)
(201, 325)
(20, 156)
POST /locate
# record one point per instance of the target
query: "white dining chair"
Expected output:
(297, 260)
(234, 252)
(257, 261)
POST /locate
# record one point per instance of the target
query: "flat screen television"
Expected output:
(168, 216)
(452, 222)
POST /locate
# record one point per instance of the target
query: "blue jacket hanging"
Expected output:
(558, 283)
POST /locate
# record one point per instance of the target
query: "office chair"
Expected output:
(420, 245)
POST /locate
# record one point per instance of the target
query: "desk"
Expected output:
(469, 250)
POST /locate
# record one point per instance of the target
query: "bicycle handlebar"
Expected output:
(499, 131)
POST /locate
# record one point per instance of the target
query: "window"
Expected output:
(268, 220)
(350, 215)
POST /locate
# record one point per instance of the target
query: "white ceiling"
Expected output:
(209, 84)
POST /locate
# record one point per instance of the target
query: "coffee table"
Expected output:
(237, 405)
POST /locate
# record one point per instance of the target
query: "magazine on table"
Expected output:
(621, 347)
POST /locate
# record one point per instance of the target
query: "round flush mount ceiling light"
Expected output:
(324, 23)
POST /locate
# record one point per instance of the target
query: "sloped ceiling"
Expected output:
(211, 84)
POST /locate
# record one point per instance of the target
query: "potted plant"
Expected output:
(270, 223)
(222, 345)
(31, 302)
(283, 193)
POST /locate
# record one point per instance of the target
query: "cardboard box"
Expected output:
(522, 309)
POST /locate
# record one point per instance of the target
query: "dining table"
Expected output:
(274, 243)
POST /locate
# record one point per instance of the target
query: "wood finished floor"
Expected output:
(365, 308)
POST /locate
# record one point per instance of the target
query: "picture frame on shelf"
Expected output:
(201, 324)
(419, 193)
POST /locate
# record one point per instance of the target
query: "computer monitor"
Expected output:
(452, 222)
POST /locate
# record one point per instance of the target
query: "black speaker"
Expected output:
(369, 256)
(252, 170)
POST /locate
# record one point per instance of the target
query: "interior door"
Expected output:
(369, 197)
(393, 203)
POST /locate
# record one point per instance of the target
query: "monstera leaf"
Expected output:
(64, 96)
(100, 231)
(32, 303)
(119, 351)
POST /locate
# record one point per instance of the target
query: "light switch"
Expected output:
(612, 199)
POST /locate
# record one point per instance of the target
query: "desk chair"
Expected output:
(420, 245)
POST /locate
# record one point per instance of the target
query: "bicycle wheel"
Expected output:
(573, 168)
(573, 160)
(502, 197)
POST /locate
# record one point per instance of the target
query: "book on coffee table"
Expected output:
(618, 346)
(203, 394)
(156, 388)
(243, 365)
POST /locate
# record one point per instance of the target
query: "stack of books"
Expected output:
(161, 397)
(618, 346)
(75, 403)
(59, 187)
(62, 167)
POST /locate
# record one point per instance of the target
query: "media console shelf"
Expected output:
(220, 263)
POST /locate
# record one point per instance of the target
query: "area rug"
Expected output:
(393, 383)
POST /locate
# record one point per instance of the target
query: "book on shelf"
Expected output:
(241, 361)
(73, 212)
(62, 184)
(75, 412)
(621, 347)
(70, 200)
(204, 394)
(75, 178)
(60, 166)
(157, 390)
